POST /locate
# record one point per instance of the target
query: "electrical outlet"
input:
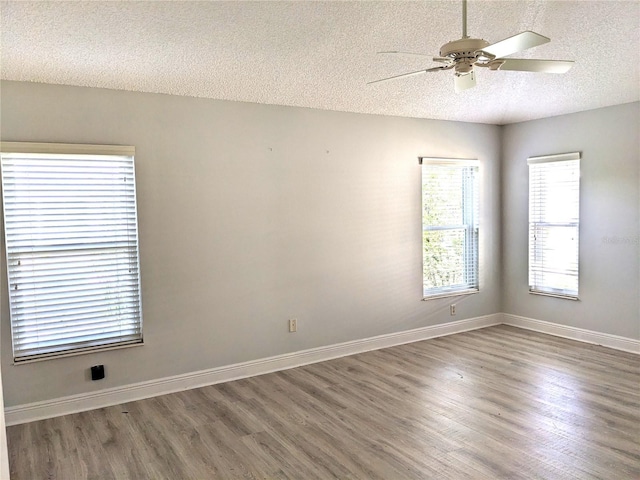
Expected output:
(452, 309)
(293, 325)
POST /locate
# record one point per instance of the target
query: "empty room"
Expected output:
(320, 240)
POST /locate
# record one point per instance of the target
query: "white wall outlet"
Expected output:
(293, 325)
(452, 309)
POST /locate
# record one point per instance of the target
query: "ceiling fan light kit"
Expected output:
(464, 82)
(466, 53)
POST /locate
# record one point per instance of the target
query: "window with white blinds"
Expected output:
(554, 221)
(449, 226)
(71, 240)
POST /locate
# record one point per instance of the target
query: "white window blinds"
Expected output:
(554, 216)
(449, 226)
(72, 248)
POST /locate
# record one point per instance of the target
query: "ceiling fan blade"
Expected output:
(400, 52)
(517, 43)
(418, 72)
(464, 82)
(530, 65)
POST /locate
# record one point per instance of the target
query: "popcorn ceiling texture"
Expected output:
(321, 54)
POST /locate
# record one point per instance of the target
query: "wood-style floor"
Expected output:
(497, 403)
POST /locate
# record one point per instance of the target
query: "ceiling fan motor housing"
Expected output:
(464, 53)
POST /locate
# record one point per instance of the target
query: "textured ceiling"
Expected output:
(322, 54)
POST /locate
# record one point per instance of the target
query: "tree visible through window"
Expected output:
(450, 226)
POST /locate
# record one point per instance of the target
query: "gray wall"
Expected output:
(609, 218)
(250, 214)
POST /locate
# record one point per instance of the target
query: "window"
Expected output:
(449, 226)
(554, 214)
(71, 241)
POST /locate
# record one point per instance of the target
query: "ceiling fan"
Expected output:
(465, 54)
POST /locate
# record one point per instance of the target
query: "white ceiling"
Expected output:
(322, 54)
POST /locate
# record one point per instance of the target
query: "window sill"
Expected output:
(556, 295)
(453, 293)
(75, 353)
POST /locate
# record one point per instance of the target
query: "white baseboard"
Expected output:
(573, 333)
(138, 391)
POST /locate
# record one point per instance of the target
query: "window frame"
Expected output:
(535, 267)
(470, 224)
(69, 346)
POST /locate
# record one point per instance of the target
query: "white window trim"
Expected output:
(70, 148)
(561, 157)
(455, 291)
(78, 149)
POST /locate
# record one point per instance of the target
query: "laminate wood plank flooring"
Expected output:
(495, 403)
